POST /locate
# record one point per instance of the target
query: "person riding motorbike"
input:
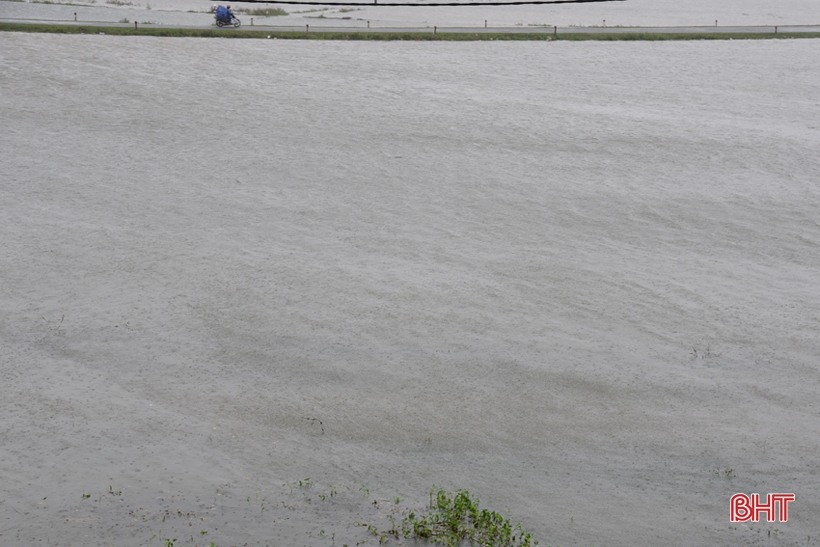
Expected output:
(224, 13)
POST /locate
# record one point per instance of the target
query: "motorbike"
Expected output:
(227, 23)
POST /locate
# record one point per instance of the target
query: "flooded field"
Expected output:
(648, 13)
(578, 280)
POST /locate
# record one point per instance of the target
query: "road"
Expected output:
(364, 26)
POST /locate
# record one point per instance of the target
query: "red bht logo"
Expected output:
(743, 508)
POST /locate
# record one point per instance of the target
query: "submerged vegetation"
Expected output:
(321, 510)
(453, 518)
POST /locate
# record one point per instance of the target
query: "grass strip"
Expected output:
(382, 35)
(263, 12)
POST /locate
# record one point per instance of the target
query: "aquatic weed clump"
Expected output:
(454, 517)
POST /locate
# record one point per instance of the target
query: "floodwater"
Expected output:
(649, 13)
(577, 279)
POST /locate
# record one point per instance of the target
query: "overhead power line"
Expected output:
(427, 5)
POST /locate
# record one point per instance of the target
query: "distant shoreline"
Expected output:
(426, 34)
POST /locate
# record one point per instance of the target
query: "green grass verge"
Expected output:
(366, 34)
(264, 12)
(660, 36)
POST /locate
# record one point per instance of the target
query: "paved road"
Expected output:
(361, 26)
(540, 29)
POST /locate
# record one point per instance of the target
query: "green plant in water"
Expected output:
(454, 517)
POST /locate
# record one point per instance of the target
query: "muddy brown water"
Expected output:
(578, 280)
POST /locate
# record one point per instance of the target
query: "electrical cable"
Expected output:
(375, 3)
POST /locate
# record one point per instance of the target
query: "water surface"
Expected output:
(648, 13)
(578, 280)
